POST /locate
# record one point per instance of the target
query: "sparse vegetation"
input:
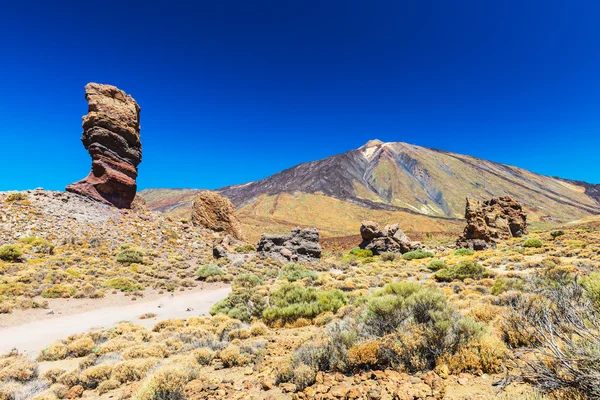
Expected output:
(130, 255)
(10, 252)
(461, 271)
(207, 271)
(532, 242)
(295, 272)
(417, 255)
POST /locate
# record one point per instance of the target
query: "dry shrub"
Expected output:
(145, 351)
(9, 390)
(51, 376)
(17, 367)
(108, 385)
(232, 357)
(239, 334)
(168, 382)
(114, 345)
(81, 347)
(258, 329)
(204, 355)
(483, 355)
(93, 376)
(364, 355)
(69, 379)
(54, 352)
(169, 325)
(133, 370)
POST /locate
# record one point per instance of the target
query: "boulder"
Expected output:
(219, 252)
(111, 134)
(491, 221)
(299, 245)
(389, 239)
(212, 211)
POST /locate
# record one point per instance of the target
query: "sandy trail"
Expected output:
(33, 337)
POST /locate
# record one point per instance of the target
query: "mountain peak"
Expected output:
(371, 143)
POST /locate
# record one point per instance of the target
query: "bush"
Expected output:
(17, 196)
(561, 325)
(39, 245)
(388, 256)
(556, 234)
(93, 376)
(464, 252)
(591, 284)
(244, 302)
(10, 252)
(295, 272)
(245, 248)
(436, 265)
(209, 270)
(417, 255)
(361, 253)
(232, 357)
(292, 302)
(17, 367)
(532, 242)
(167, 383)
(506, 284)
(122, 284)
(462, 271)
(130, 255)
(204, 355)
(59, 291)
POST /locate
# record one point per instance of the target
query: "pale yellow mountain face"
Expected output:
(422, 189)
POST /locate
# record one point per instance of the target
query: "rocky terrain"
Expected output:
(112, 136)
(215, 212)
(439, 322)
(389, 182)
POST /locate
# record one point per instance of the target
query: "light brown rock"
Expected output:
(215, 212)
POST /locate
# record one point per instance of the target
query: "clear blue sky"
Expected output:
(233, 91)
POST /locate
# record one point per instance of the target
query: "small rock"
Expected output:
(75, 392)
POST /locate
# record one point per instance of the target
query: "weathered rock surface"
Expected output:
(389, 239)
(492, 220)
(111, 134)
(213, 211)
(299, 245)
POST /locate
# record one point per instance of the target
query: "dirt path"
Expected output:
(32, 337)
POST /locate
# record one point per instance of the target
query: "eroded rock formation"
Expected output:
(299, 245)
(492, 220)
(111, 134)
(215, 212)
(389, 239)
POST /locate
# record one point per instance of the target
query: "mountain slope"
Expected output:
(393, 177)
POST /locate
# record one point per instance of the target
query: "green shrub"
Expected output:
(388, 256)
(295, 272)
(244, 302)
(462, 271)
(130, 255)
(58, 291)
(245, 248)
(417, 255)
(591, 284)
(505, 284)
(436, 265)
(533, 242)
(39, 245)
(556, 234)
(291, 302)
(10, 252)
(464, 252)
(361, 253)
(123, 284)
(17, 196)
(209, 270)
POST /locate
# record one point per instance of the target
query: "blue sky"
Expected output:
(234, 91)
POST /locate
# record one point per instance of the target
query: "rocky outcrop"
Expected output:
(213, 211)
(111, 134)
(491, 221)
(299, 245)
(389, 239)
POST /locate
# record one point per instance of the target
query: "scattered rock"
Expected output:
(215, 212)
(219, 252)
(300, 245)
(389, 239)
(111, 134)
(492, 220)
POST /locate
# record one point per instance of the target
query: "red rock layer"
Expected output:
(111, 134)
